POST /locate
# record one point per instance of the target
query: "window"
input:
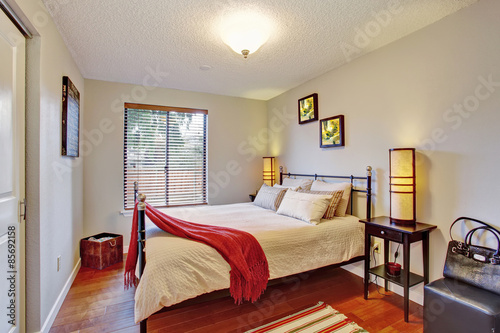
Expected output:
(165, 151)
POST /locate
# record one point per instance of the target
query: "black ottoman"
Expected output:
(454, 306)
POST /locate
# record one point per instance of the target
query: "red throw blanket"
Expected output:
(249, 269)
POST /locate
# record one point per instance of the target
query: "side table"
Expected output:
(382, 227)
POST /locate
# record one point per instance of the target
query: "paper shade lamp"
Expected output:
(269, 177)
(402, 185)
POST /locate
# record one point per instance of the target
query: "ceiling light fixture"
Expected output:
(245, 32)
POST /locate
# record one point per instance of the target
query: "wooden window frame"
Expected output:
(178, 191)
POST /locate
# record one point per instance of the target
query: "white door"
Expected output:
(12, 83)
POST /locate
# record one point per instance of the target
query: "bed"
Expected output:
(178, 270)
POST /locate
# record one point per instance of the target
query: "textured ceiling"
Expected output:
(128, 40)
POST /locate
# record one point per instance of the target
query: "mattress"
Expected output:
(179, 269)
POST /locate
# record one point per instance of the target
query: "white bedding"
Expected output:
(178, 269)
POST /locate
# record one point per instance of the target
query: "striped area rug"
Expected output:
(320, 318)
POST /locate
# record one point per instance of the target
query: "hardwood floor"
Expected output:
(97, 302)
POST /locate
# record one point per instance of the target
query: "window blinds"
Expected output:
(165, 151)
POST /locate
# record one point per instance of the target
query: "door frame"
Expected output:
(19, 125)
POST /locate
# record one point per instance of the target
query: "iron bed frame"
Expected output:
(141, 256)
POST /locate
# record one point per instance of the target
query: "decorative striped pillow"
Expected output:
(269, 197)
(334, 203)
(319, 185)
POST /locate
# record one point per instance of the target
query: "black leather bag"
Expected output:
(473, 264)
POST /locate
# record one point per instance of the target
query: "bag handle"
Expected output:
(468, 237)
(474, 220)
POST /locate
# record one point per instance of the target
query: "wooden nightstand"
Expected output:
(252, 197)
(383, 228)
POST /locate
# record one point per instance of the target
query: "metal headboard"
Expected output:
(351, 178)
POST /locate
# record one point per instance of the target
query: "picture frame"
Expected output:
(70, 119)
(331, 132)
(308, 109)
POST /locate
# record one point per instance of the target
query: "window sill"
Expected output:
(130, 213)
(127, 213)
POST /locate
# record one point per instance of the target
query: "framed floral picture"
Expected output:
(331, 132)
(308, 109)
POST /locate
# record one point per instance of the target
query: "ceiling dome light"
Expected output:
(245, 32)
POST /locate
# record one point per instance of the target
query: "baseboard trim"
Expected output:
(57, 306)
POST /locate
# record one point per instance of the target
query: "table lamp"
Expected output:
(269, 177)
(402, 185)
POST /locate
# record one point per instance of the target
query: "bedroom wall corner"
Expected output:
(438, 90)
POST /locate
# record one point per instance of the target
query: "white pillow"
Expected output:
(319, 185)
(269, 197)
(293, 188)
(304, 206)
(305, 184)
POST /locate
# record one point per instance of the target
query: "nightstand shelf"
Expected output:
(381, 271)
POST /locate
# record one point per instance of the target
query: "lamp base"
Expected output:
(407, 223)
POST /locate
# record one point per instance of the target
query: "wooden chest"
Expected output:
(101, 254)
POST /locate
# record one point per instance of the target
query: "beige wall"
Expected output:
(54, 183)
(407, 95)
(234, 166)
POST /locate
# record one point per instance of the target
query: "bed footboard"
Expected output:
(141, 240)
